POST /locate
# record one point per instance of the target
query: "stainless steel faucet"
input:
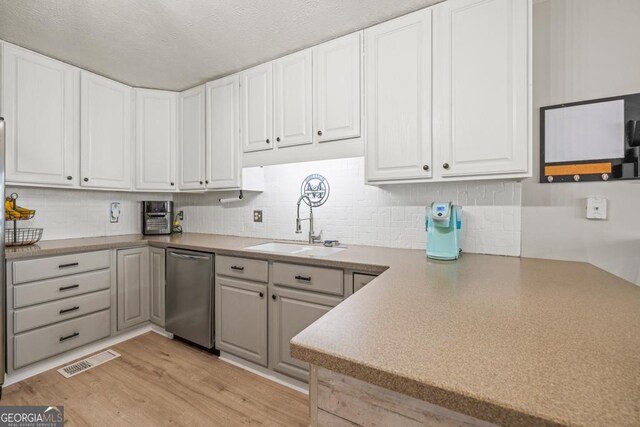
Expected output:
(312, 238)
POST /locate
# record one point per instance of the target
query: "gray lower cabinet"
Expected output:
(156, 285)
(56, 304)
(241, 318)
(260, 306)
(290, 312)
(360, 280)
(133, 287)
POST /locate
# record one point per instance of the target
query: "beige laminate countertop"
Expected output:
(514, 341)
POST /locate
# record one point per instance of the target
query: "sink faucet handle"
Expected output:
(317, 238)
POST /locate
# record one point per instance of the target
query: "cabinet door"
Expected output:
(40, 105)
(290, 312)
(105, 133)
(257, 108)
(192, 139)
(241, 319)
(360, 280)
(133, 287)
(399, 78)
(336, 97)
(293, 99)
(156, 134)
(224, 169)
(156, 285)
(481, 81)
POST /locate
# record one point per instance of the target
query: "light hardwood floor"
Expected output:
(158, 381)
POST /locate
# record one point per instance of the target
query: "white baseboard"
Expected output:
(80, 353)
(160, 331)
(54, 362)
(297, 385)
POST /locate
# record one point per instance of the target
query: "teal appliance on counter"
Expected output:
(444, 221)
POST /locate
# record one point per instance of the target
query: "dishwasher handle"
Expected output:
(190, 257)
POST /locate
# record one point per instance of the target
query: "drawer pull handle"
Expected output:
(69, 310)
(304, 278)
(72, 264)
(66, 288)
(235, 267)
(68, 337)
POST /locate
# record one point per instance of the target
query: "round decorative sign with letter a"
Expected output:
(316, 187)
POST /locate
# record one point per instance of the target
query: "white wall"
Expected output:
(390, 216)
(583, 49)
(65, 214)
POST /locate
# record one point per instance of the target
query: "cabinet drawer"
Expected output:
(57, 311)
(49, 341)
(317, 279)
(359, 280)
(45, 268)
(61, 287)
(249, 269)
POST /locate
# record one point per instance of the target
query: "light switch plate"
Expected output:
(596, 208)
(114, 213)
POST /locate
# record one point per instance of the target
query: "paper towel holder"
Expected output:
(232, 199)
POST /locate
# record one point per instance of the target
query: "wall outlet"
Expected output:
(257, 216)
(114, 212)
(596, 208)
(180, 215)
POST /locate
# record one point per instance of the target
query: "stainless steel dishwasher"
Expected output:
(189, 296)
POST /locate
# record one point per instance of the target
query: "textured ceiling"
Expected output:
(177, 44)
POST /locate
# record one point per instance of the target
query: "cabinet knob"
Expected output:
(200, 182)
(171, 184)
(319, 133)
(274, 297)
(446, 165)
(261, 294)
(69, 177)
(425, 167)
(86, 180)
(268, 141)
(278, 139)
(206, 182)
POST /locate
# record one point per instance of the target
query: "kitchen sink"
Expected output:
(295, 249)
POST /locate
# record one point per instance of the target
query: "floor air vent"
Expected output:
(88, 363)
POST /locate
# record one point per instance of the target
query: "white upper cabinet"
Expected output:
(257, 108)
(191, 144)
(224, 163)
(482, 87)
(337, 93)
(398, 92)
(156, 135)
(293, 87)
(40, 105)
(105, 133)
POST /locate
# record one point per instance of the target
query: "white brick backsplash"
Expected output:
(391, 215)
(66, 214)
